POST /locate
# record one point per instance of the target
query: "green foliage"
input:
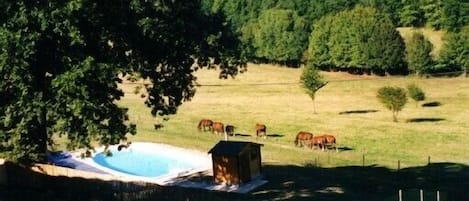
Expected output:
(312, 81)
(411, 14)
(393, 98)
(418, 54)
(416, 93)
(61, 62)
(266, 27)
(455, 14)
(433, 13)
(455, 55)
(359, 40)
(280, 36)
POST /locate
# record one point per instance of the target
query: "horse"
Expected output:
(229, 129)
(218, 128)
(319, 141)
(302, 137)
(205, 123)
(261, 130)
(330, 141)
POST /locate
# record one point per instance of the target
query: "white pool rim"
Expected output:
(202, 162)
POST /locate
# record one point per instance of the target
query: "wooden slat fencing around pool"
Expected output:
(48, 182)
(53, 170)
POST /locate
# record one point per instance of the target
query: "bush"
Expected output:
(416, 93)
(393, 98)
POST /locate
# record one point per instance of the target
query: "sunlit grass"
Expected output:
(347, 107)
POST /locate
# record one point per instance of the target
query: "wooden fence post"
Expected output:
(437, 195)
(421, 195)
(428, 160)
(363, 160)
(400, 194)
(398, 165)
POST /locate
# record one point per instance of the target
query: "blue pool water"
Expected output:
(143, 162)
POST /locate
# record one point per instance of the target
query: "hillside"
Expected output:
(435, 37)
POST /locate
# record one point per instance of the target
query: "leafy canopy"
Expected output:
(361, 40)
(455, 52)
(418, 54)
(393, 98)
(312, 81)
(416, 93)
(61, 62)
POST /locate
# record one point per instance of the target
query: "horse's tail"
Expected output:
(296, 140)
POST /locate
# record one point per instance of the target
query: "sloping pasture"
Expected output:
(347, 107)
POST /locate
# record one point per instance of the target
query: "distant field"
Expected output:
(346, 107)
(435, 37)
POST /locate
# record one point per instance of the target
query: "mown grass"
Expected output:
(347, 107)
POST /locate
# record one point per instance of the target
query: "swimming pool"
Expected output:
(151, 161)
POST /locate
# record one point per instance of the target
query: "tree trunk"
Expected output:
(394, 116)
(41, 136)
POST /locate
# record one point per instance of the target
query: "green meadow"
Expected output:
(346, 107)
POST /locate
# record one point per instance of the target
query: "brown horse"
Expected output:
(218, 128)
(330, 141)
(204, 124)
(229, 129)
(319, 141)
(303, 137)
(261, 130)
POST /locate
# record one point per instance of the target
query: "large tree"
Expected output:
(61, 61)
(455, 52)
(358, 40)
(280, 36)
(418, 54)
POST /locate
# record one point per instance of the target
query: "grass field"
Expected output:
(347, 107)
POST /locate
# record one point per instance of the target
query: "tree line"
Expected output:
(356, 35)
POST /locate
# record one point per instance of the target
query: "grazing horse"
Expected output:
(229, 129)
(319, 141)
(261, 130)
(218, 128)
(330, 141)
(204, 124)
(303, 137)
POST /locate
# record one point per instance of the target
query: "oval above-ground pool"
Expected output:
(151, 160)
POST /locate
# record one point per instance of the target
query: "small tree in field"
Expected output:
(312, 81)
(393, 98)
(416, 93)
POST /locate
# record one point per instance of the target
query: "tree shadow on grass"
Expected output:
(431, 104)
(344, 148)
(357, 111)
(275, 135)
(418, 120)
(361, 183)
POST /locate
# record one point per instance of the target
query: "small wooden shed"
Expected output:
(236, 162)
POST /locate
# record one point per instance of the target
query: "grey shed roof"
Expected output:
(230, 148)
